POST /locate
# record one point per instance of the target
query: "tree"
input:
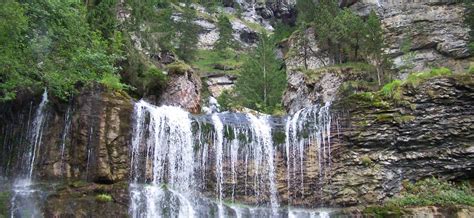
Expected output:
(350, 30)
(14, 54)
(306, 11)
(374, 45)
(226, 40)
(325, 24)
(262, 81)
(188, 34)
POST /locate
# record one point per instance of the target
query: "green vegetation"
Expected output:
(416, 78)
(228, 61)
(4, 203)
(178, 67)
(226, 40)
(262, 80)
(433, 191)
(366, 160)
(428, 192)
(188, 34)
(50, 44)
(341, 35)
(103, 198)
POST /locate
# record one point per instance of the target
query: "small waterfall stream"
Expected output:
(23, 201)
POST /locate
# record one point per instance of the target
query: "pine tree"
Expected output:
(306, 10)
(226, 40)
(325, 24)
(350, 32)
(373, 44)
(188, 34)
(262, 81)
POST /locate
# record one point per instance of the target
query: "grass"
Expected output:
(434, 192)
(416, 78)
(103, 198)
(428, 192)
(178, 67)
(206, 61)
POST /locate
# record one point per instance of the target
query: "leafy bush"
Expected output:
(103, 198)
(155, 80)
(112, 82)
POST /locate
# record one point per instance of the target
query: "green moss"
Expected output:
(103, 198)
(404, 118)
(471, 68)
(4, 203)
(366, 160)
(178, 67)
(78, 184)
(382, 211)
(279, 137)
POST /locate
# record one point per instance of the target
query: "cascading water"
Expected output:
(263, 155)
(22, 202)
(307, 127)
(218, 144)
(67, 126)
(175, 156)
(163, 136)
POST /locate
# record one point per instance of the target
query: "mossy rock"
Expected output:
(178, 67)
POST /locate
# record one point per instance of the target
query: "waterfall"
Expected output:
(176, 155)
(37, 133)
(23, 202)
(309, 126)
(263, 155)
(162, 135)
(67, 126)
(218, 144)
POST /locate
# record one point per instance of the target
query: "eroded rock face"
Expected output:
(381, 147)
(91, 144)
(435, 28)
(183, 90)
(217, 83)
(316, 87)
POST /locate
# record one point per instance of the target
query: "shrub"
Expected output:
(103, 198)
(112, 82)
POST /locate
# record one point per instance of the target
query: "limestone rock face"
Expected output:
(381, 147)
(435, 28)
(316, 86)
(217, 83)
(183, 90)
